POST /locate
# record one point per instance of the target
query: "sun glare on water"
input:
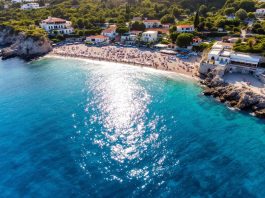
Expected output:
(119, 107)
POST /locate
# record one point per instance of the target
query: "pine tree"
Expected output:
(196, 20)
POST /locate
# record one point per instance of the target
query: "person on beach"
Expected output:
(127, 55)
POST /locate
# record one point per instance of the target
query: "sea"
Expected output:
(80, 128)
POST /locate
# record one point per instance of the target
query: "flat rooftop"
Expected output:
(215, 52)
(244, 57)
(226, 53)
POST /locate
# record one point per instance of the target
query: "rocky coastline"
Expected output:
(239, 98)
(21, 45)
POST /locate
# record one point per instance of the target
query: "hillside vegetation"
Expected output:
(87, 16)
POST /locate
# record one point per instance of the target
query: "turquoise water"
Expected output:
(73, 128)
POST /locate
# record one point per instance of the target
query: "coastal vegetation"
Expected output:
(27, 27)
(253, 44)
(210, 18)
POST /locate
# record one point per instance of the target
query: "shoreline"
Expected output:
(130, 56)
(193, 78)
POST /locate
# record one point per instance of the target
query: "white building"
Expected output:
(245, 59)
(149, 36)
(152, 23)
(166, 25)
(98, 39)
(221, 55)
(53, 24)
(185, 28)
(110, 32)
(16, 1)
(260, 12)
(30, 6)
(128, 38)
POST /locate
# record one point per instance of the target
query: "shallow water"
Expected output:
(73, 128)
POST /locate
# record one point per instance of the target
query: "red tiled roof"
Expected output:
(185, 26)
(54, 20)
(196, 38)
(110, 29)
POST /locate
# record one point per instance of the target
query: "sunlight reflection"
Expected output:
(122, 105)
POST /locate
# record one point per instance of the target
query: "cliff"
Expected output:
(22, 45)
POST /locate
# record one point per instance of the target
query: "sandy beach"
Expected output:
(132, 56)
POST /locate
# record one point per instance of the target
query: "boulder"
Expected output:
(260, 113)
(208, 91)
(247, 100)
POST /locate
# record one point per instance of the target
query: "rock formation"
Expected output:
(241, 98)
(26, 47)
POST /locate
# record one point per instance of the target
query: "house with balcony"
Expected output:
(149, 36)
(110, 32)
(129, 38)
(54, 25)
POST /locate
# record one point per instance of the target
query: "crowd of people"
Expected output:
(126, 55)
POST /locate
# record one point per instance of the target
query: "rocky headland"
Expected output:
(240, 98)
(21, 45)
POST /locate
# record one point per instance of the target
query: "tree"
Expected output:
(203, 10)
(196, 20)
(176, 12)
(262, 5)
(251, 15)
(229, 11)
(168, 18)
(209, 25)
(122, 28)
(201, 26)
(174, 36)
(220, 23)
(138, 26)
(251, 42)
(80, 23)
(74, 2)
(172, 29)
(247, 5)
(42, 3)
(184, 39)
(241, 14)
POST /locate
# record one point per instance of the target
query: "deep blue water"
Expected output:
(73, 128)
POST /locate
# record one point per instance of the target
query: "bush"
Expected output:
(201, 47)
